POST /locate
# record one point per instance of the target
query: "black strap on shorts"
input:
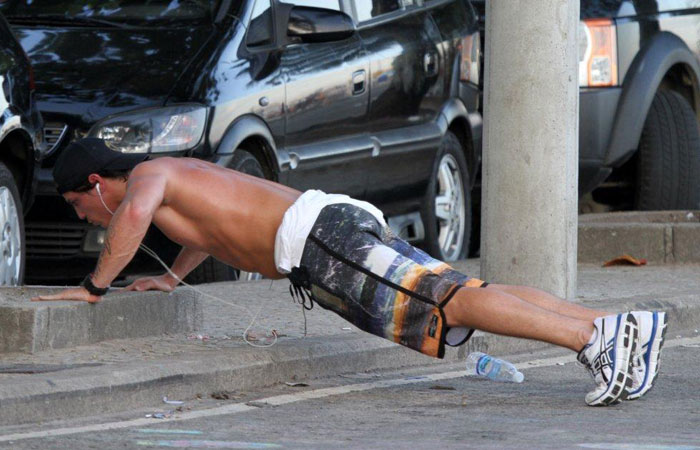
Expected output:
(300, 287)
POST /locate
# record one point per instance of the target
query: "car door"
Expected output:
(326, 112)
(405, 95)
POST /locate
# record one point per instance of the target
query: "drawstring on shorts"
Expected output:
(300, 287)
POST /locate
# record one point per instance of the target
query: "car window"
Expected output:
(260, 28)
(369, 9)
(328, 4)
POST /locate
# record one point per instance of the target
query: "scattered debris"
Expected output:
(200, 337)
(172, 402)
(561, 364)
(250, 336)
(295, 384)
(167, 415)
(438, 387)
(690, 216)
(223, 395)
(347, 328)
(625, 260)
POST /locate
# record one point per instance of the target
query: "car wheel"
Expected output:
(12, 226)
(212, 270)
(447, 207)
(668, 168)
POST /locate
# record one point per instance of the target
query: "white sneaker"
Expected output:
(607, 357)
(645, 362)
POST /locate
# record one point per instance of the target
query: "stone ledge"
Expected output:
(29, 327)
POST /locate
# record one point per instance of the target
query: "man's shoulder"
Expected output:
(160, 165)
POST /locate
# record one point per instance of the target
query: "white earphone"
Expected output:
(97, 187)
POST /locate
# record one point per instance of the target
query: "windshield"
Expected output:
(106, 11)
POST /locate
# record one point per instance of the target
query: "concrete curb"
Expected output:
(661, 237)
(94, 390)
(30, 327)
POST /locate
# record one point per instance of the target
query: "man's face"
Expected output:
(89, 207)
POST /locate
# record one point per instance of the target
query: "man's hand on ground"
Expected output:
(75, 294)
(165, 283)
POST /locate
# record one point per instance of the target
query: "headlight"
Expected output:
(157, 130)
(597, 65)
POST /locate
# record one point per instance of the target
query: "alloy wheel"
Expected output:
(449, 208)
(10, 240)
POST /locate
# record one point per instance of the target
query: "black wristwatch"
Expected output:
(91, 288)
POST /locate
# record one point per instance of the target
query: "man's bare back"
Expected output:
(227, 214)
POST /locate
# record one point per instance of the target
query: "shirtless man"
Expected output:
(339, 252)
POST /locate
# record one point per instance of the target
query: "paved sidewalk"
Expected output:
(119, 374)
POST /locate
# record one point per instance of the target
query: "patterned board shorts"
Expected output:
(356, 267)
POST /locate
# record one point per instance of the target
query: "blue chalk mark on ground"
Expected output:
(167, 431)
(206, 444)
(612, 446)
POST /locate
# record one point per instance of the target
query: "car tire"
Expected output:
(212, 270)
(12, 243)
(668, 168)
(447, 209)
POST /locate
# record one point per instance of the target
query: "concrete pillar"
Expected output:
(530, 160)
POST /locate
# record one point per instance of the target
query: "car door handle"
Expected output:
(430, 63)
(358, 82)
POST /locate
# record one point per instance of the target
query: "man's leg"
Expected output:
(550, 302)
(531, 295)
(497, 311)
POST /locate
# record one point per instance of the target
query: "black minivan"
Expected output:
(377, 99)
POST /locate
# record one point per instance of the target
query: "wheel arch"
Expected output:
(252, 134)
(455, 118)
(665, 62)
(17, 153)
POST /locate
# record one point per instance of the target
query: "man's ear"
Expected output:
(94, 178)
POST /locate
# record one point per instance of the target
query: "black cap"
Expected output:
(86, 156)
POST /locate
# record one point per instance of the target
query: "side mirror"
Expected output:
(310, 24)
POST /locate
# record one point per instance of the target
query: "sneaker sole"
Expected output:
(652, 357)
(624, 347)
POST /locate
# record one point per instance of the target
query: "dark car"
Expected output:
(639, 103)
(377, 99)
(20, 136)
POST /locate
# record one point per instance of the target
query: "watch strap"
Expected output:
(91, 288)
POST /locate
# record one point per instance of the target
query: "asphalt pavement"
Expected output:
(416, 407)
(285, 344)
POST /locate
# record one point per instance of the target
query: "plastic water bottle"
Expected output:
(483, 365)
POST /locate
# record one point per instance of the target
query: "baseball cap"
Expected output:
(86, 156)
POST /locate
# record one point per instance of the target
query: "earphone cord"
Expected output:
(155, 256)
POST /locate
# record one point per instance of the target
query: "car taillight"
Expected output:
(597, 65)
(471, 58)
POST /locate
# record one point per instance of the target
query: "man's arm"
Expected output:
(144, 194)
(187, 260)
